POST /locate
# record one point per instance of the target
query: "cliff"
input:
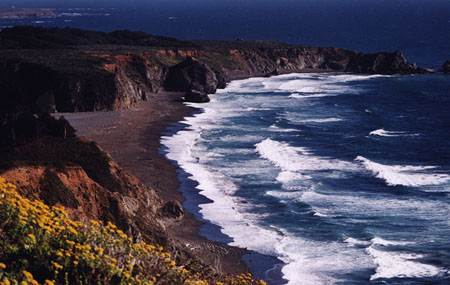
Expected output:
(60, 169)
(69, 70)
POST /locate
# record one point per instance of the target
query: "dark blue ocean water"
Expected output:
(421, 29)
(345, 178)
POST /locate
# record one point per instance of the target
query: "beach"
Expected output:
(132, 138)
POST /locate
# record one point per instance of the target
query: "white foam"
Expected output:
(398, 264)
(300, 96)
(345, 204)
(297, 159)
(258, 109)
(287, 176)
(384, 242)
(384, 133)
(355, 242)
(275, 128)
(406, 175)
(303, 85)
(322, 120)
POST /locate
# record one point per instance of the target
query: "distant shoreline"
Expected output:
(26, 13)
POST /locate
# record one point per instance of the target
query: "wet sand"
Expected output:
(132, 138)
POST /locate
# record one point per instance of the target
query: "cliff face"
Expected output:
(110, 77)
(77, 174)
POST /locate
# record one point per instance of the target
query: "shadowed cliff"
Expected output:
(71, 70)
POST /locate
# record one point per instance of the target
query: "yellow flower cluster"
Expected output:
(60, 250)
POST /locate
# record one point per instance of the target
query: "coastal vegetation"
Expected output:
(42, 245)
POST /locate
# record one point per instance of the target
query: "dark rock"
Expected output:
(221, 81)
(336, 66)
(172, 210)
(446, 66)
(196, 97)
(273, 73)
(382, 63)
(191, 74)
(17, 129)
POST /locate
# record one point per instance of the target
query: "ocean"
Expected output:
(327, 178)
(344, 178)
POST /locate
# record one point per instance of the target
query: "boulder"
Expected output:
(446, 66)
(191, 74)
(172, 210)
(196, 96)
(273, 73)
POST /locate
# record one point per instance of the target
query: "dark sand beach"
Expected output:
(132, 138)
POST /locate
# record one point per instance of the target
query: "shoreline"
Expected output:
(132, 138)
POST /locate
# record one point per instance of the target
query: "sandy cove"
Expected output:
(132, 138)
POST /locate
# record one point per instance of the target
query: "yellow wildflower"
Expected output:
(2, 265)
(27, 274)
(57, 265)
(48, 282)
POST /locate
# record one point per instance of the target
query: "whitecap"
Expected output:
(275, 128)
(384, 133)
(384, 242)
(320, 120)
(297, 159)
(406, 175)
(399, 264)
(304, 96)
(356, 242)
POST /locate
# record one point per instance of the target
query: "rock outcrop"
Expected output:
(196, 96)
(191, 74)
(382, 63)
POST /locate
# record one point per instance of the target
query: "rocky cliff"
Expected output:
(113, 71)
(61, 169)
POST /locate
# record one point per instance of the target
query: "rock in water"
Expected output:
(196, 96)
(191, 74)
(446, 66)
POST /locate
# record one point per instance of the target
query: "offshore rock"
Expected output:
(191, 74)
(196, 96)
